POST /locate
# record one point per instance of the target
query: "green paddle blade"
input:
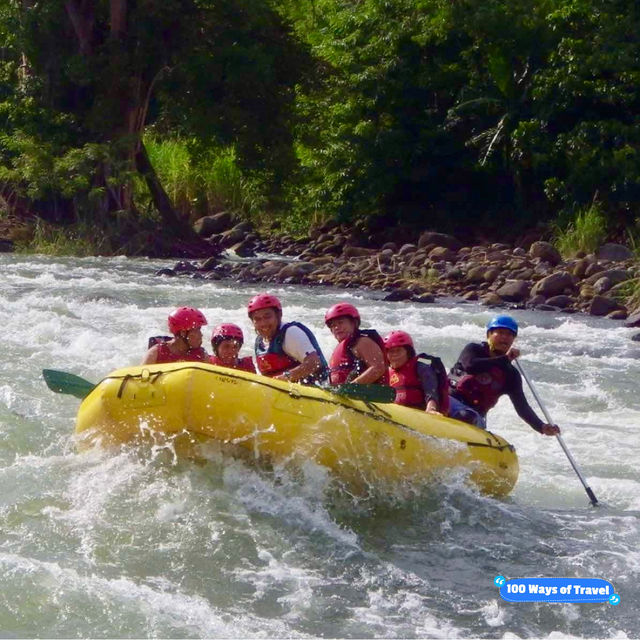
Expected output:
(365, 392)
(62, 382)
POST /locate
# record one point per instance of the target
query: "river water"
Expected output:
(135, 544)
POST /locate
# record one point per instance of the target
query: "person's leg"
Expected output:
(460, 411)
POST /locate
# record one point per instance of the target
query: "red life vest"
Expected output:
(344, 365)
(243, 364)
(405, 381)
(481, 391)
(192, 355)
(408, 386)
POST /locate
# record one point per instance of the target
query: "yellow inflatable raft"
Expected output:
(359, 441)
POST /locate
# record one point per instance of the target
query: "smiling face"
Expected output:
(500, 340)
(228, 351)
(397, 356)
(342, 327)
(193, 338)
(266, 322)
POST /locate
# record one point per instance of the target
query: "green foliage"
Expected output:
(199, 181)
(81, 239)
(586, 231)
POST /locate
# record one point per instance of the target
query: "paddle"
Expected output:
(590, 493)
(62, 382)
(365, 392)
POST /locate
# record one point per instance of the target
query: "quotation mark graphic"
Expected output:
(614, 599)
(500, 580)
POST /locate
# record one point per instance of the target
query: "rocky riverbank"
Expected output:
(421, 269)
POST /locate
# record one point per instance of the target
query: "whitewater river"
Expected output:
(133, 544)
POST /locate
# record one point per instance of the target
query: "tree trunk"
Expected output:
(160, 197)
(81, 15)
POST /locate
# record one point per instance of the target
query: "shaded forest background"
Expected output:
(125, 118)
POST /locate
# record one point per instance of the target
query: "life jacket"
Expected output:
(344, 365)
(243, 364)
(272, 360)
(480, 391)
(408, 386)
(165, 354)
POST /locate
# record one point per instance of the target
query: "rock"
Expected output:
(442, 253)
(209, 225)
(601, 306)
(391, 246)
(296, 269)
(492, 300)
(592, 269)
(492, 273)
(602, 284)
(425, 298)
(561, 301)
(234, 235)
(209, 263)
(470, 295)
(398, 295)
(618, 314)
(514, 290)
(439, 240)
(244, 249)
(553, 284)
(536, 301)
(357, 252)
(185, 267)
(634, 319)
(614, 252)
(165, 272)
(407, 248)
(636, 337)
(614, 276)
(579, 268)
(476, 274)
(6, 246)
(545, 251)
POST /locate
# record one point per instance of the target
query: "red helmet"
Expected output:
(227, 332)
(264, 301)
(397, 339)
(341, 309)
(185, 319)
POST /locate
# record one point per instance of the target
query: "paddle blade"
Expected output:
(365, 392)
(62, 382)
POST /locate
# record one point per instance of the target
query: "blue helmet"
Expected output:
(503, 322)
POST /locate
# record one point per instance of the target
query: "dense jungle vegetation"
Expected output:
(119, 118)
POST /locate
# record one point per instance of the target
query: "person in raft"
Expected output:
(484, 372)
(226, 341)
(359, 356)
(417, 384)
(286, 351)
(186, 325)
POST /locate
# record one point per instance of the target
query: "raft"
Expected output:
(361, 442)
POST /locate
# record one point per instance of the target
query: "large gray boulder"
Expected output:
(614, 252)
(439, 240)
(208, 225)
(601, 306)
(546, 252)
(553, 285)
(514, 290)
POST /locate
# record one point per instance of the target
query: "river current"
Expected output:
(136, 544)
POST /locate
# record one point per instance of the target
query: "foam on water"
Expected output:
(138, 543)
